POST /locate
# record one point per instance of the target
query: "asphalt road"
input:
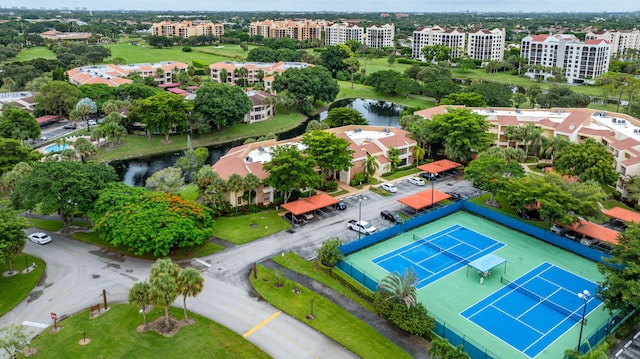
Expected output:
(77, 273)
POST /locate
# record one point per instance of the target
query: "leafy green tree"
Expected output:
(330, 152)
(57, 97)
(599, 352)
(69, 188)
(99, 93)
(164, 289)
(289, 170)
(384, 81)
(519, 98)
(310, 83)
(10, 179)
(162, 112)
(332, 58)
(494, 94)
(329, 253)
(12, 235)
(436, 53)
(401, 287)
(314, 125)
(562, 96)
(18, 124)
(190, 283)
(620, 290)
(135, 91)
(533, 92)
(418, 154)
(631, 185)
(343, 116)
(433, 73)
(139, 294)
(251, 184)
(14, 338)
(589, 160)
(491, 172)
(461, 133)
(441, 88)
(168, 179)
(469, 99)
(150, 222)
(221, 105)
(235, 184)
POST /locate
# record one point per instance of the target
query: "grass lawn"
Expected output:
(31, 53)
(15, 288)
(368, 92)
(401, 173)
(330, 319)
(114, 335)
(295, 263)
(243, 229)
(136, 146)
(51, 225)
(182, 253)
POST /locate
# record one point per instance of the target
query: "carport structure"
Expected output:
(45, 119)
(439, 166)
(310, 204)
(622, 214)
(424, 199)
(595, 231)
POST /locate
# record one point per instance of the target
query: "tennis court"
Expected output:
(453, 292)
(439, 254)
(532, 311)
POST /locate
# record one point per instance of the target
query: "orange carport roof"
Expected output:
(595, 231)
(439, 166)
(309, 204)
(423, 199)
(623, 214)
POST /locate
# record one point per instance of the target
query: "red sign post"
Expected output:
(54, 316)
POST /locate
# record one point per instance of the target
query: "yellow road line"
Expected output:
(261, 324)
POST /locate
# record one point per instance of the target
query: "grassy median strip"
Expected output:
(297, 264)
(329, 318)
(114, 335)
(16, 287)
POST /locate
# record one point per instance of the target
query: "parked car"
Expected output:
(307, 215)
(70, 126)
(391, 216)
(341, 205)
(558, 230)
(428, 176)
(92, 123)
(416, 181)
(40, 238)
(363, 227)
(455, 196)
(389, 187)
(294, 219)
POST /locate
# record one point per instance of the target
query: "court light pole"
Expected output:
(433, 180)
(359, 216)
(585, 297)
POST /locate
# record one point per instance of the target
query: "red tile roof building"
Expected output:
(254, 70)
(623, 42)
(114, 75)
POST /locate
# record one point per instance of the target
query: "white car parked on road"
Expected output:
(416, 181)
(389, 187)
(40, 238)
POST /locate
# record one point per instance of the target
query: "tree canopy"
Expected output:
(562, 96)
(150, 222)
(342, 116)
(221, 105)
(162, 112)
(330, 152)
(589, 160)
(494, 94)
(13, 152)
(290, 169)
(18, 124)
(57, 97)
(67, 187)
(12, 235)
(308, 83)
(490, 172)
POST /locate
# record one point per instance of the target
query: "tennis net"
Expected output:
(555, 306)
(444, 251)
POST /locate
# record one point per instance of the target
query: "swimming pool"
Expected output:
(55, 148)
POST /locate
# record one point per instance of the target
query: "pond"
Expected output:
(135, 171)
(377, 113)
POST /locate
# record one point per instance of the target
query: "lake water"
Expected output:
(134, 172)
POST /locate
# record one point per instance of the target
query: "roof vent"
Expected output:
(249, 159)
(357, 130)
(386, 130)
(261, 149)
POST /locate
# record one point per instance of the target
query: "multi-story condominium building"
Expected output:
(379, 36)
(363, 141)
(429, 36)
(622, 42)
(581, 61)
(486, 45)
(294, 29)
(114, 75)
(255, 71)
(340, 33)
(187, 28)
(22, 99)
(261, 109)
(59, 35)
(619, 132)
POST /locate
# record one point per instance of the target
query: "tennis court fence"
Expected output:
(555, 306)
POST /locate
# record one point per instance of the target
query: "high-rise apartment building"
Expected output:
(429, 36)
(379, 36)
(340, 33)
(486, 45)
(581, 61)
(294, 29)
(622, 42)
(187, 28)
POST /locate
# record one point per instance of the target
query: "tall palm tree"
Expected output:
(401, 287)
(85, 149)
(370, 166)
(163, 290)
(251, 183)
(513, 133)
(631, 185)
(190, 282)
(235, 184)
(418, 154)
(551, 146)
(139, 294)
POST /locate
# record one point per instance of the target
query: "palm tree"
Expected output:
(190, 283)
(85, 149)
(223, 75)
(550, 147)
(513, 133)
(139, 294)
(418, 154)
(631, 185)
(164, 285)
(401, 287)
(438, 347)
(270, 101)
(370, 166)
(251, 183)
(235, 184)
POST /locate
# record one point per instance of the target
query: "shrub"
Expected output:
(187, 49)
(413, 320)
(198, 64)
(329, 186)
(329, 253)
(306, 108)
(359, 178)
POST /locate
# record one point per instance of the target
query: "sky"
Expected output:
(542, 6)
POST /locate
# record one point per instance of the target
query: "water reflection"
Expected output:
(377, 113)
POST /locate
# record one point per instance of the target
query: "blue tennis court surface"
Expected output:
(439, 254)
(534, 310)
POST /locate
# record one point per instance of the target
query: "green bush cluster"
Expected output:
(413, 320)
(198, 64)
